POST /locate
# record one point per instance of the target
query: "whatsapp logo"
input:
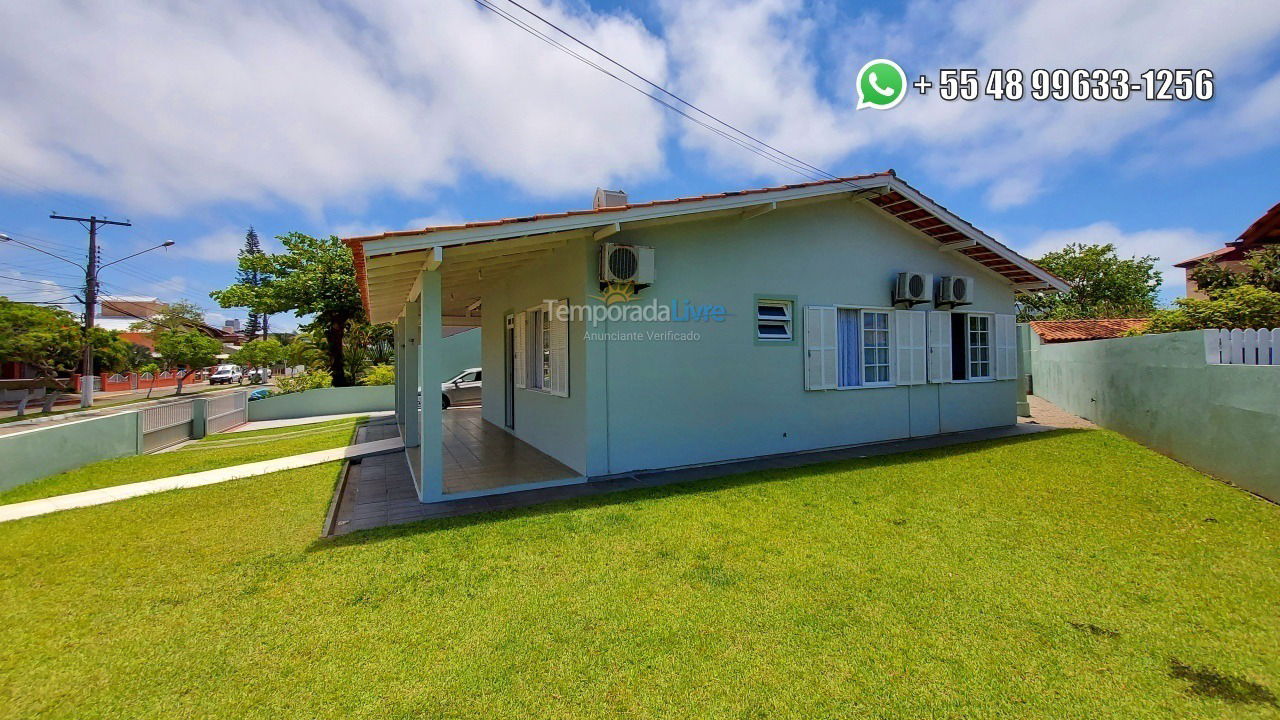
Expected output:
(881, 85)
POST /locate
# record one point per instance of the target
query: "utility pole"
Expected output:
(90, 299)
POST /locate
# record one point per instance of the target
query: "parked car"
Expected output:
(465, 388)
(259, 394)
(259, 375)
(226, 374)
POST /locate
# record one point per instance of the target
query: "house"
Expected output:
(1056, 331)
(643, 336)
(1264, 231)
(120, 312)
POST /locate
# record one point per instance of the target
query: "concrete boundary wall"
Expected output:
(327, 401)
(57, 447)
(1160, 390)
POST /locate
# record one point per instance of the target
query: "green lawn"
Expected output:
(1071, 574)
(212, 452)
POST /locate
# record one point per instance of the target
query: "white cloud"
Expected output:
(165, 107)
(24, 287)
(758, 63)
(221, 246)
(161, 107)
(1170, 245)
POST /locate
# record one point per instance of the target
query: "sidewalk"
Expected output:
(31, 508)
(1046, 413)
(308, 420)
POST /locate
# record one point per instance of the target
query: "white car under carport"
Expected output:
(463, 389)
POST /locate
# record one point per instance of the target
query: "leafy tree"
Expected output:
(138, 356)
(364, 345)
(154, 370)
(178, 316)
(301, 351)
(110, 353)
(1245, 306)
(251, 275)
(314, 276)
(1261, 268)
(1103, 285)
(186, 351)
(49, 340)
(259, 353)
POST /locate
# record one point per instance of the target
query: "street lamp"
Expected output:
(90, 297)
(165, 244)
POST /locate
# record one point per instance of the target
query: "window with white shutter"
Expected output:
(542, 349)
(849, 348)
(558, 331)
(1006, 347)
(820, 368)
(979, 347)
(911, 353)
(519, 351)
(939, 336)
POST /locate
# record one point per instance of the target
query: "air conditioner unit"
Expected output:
(912, 289)
(955, 290)
(626, 264)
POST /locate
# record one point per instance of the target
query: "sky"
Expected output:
(197, 120)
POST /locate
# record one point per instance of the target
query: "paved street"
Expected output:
(112, 403)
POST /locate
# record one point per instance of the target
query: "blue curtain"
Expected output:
(847, 337)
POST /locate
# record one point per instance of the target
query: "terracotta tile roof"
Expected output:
(1211, 254)
(1264, 231)
(1052, 331)
(618, 208)
(922, 213)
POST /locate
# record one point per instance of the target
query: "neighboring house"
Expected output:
(1264, 231)
(1056, 331)
(765, 324)
(120, 312)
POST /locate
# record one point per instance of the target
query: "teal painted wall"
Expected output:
(38, 453)
(1160, 391)
(459, 352)
(638, 405)
(725, 396)
(555, 425)
(324, 401)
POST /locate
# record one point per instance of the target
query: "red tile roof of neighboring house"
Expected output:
(1052, 331)
(1264, 231)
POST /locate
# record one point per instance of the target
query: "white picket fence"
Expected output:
(1242, 347)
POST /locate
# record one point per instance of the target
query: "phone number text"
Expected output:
(1062, 84)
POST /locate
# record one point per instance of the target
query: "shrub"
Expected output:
(1244, 306)
(304, 381)
(379, 375)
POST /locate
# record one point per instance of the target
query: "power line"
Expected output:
(39, 282)
(672, 95)
(796, 168)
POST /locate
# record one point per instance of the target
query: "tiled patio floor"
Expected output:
(477, 456)
(379, 491)
(480, 456)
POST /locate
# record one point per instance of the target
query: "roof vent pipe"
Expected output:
(608, 198)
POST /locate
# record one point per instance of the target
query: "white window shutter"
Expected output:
(518, 351)
(939, 347)
(820, 361)
(909, 334)
(559, 329)
(1006, 348)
